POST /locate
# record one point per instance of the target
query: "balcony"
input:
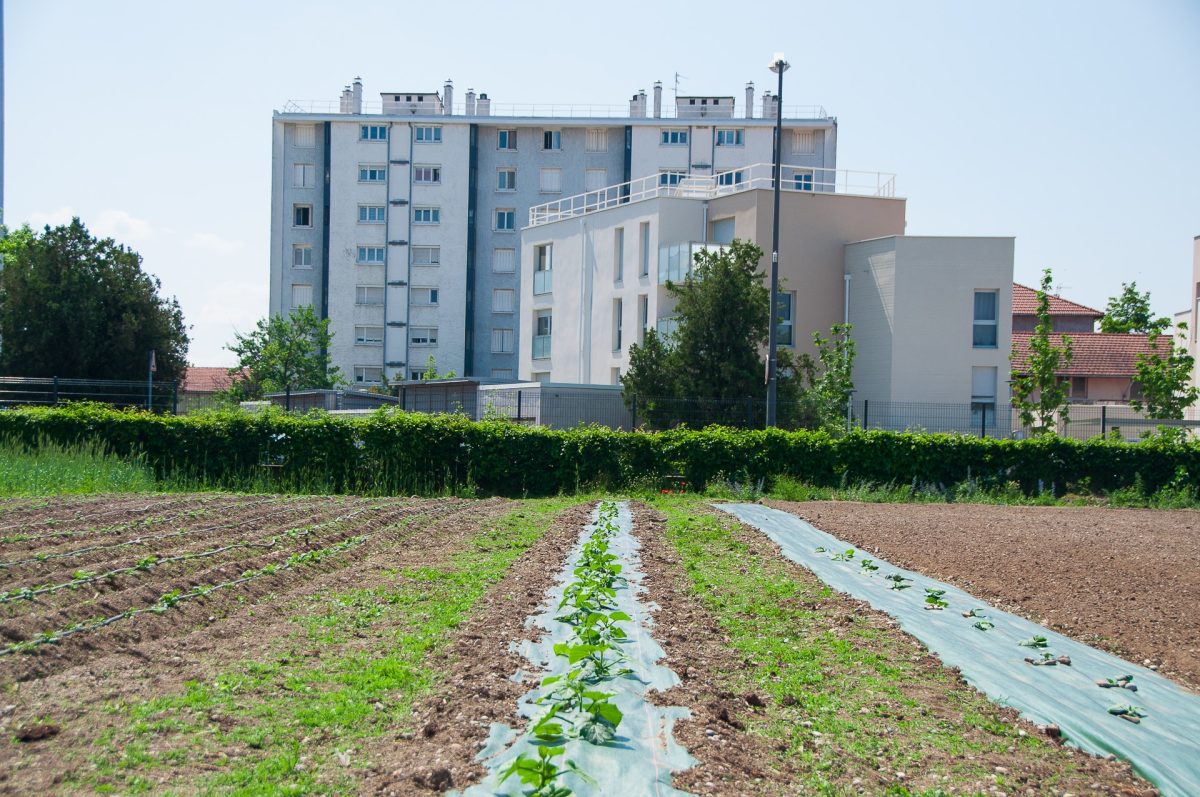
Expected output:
(541, 347)
(543, 282)
(795, 178)
(675, 260)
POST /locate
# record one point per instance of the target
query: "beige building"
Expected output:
(1194, 311)
(594, 274)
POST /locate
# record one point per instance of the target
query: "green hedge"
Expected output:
(408, 452)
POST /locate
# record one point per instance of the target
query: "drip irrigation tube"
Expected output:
(640, 760)
(1162, 747)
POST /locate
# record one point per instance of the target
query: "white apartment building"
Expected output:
(932, 316)
(400, 221)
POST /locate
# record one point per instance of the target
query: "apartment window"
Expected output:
(550, 181)
(618, 255)
(670, 176)
(541, 334)
(502, 341)
(731, 178)
(506, 139)
(427, 175)
(503, 300)
(615, 375)
(301, 215)
(597, 139)
(802, 181)
(504, 261)
(368, 294)
(643, 317)
(372, 214)
(502, 373)
(426, 255)
(427, 215)
(595, 179)
(552, 139)
(304, 175)
(985, 334)
(368, 374)
(372, 173)
(617, 320)
(506, 179)
(804, 142)
(424, 297)
(983, 392)
(506, 219)
(372, 133)
(673, 136)
(422, 336)
(301, 295)
(371, 255)
(722, 231)
(428, 134)
(306, 135)
(302, 256)
(1079, 387)
(731, 137)
(783, 334)
(368, 336)
(644, 249)
(543, 265)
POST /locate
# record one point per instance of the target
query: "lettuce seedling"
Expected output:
(844, 556)
(898, 581)
(933, 599)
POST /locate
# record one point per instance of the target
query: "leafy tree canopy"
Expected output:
(76, 306)
(1038, 393)
(1165, 377)
(1130, 312)
(282, 354)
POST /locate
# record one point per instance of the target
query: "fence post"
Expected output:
(56, 391)
(518, 406)
(982, 421)
(175, 397)
(866, 405)
(633, 398)
(1104, 420)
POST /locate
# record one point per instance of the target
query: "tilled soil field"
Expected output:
(1117, 579)
(257, 644)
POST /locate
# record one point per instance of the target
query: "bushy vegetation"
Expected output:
(43, 467)
(394, 452)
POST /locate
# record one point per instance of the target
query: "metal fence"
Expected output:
(161, 396)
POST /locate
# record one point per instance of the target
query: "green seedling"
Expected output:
(542, 773)
(868, 566)
(1034, 642)
(1123, 682)
(844, 556)
(898, 581)
(983, 625)
(819, 549)
(1128, 712)
(933, 599)
(600, 661)
(974, 613)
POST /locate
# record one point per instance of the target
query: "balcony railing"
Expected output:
(807, 179)
(517, 110)
(543, 282)
(541, 347)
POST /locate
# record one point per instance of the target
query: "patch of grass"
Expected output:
(845, 694)
(352, 670)
(52, 469)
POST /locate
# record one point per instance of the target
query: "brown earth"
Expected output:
(1123, 580)
(78, 683)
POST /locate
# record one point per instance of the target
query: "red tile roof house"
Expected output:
(1104, 363)
(205, 379)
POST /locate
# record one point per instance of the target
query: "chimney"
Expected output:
(637, 105)
(448, 97)
(356, 105)
(750, 100)
(769, 104)
(470, 109)
(658, 99)
(346, 100)
(484, 106)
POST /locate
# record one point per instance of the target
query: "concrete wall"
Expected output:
(929, 283)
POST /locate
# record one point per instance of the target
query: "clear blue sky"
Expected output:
(1074, 126)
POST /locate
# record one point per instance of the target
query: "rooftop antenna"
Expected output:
(678, 77)
(1058, 289)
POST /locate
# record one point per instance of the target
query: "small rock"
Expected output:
(343, 757)
(900, 776)
(1054, 732)
(788, 700)
(1001, 771)
(35, 733)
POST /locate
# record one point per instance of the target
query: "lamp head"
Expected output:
(778, 63)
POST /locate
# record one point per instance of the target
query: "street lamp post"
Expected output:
(779, 65)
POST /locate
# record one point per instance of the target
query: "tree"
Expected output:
(1038, 393)
(431, 371)
(827, 382)
(283, 354)
(1130, 312)
(1165, 377)
(76, 306)
(716, 351)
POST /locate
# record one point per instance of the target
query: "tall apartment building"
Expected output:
(401, 222)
